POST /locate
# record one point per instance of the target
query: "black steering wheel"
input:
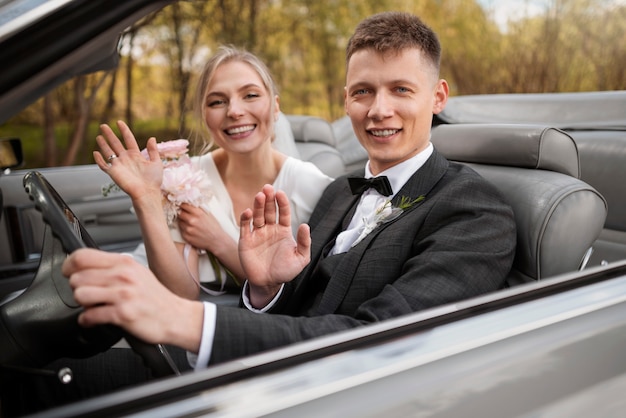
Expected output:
(40, 325)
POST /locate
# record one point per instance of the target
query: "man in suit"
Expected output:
(430, 232)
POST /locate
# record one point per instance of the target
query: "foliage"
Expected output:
(572, 45)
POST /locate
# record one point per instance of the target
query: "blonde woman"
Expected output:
(237, 104)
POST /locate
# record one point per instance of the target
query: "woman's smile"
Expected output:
(240, 131)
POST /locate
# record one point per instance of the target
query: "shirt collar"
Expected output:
(400, 173)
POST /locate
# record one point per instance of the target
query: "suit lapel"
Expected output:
(419, 184)
(340, 208)
(424, 179)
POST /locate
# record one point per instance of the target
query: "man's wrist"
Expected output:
(245, 296)
(188, 337)
(261, 296)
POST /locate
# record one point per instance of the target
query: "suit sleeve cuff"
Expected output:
(246, 299)
(201, 360)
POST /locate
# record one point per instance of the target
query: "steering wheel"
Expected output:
(40, 325)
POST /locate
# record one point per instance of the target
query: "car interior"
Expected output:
(315, 142)
(594, 120)
(537, 158)
(602, 156)
(537, 170)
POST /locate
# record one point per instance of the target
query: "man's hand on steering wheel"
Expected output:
(115, 289)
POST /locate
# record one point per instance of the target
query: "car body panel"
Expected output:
(568, 111)
(109, 220)
(536, 354)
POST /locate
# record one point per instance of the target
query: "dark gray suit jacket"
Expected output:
(457, 243)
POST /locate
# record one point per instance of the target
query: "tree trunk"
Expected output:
(110, 105)
(84, 98)
(50, 145)
(78, 133)
(129, 81)
(180, 83)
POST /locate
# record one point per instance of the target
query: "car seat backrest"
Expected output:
(537, 170)
(602, 157)
(316, 143)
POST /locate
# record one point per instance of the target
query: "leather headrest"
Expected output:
(524, 146)
(311, 129)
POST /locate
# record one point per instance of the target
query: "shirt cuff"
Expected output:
(201, 360)
(247, 304)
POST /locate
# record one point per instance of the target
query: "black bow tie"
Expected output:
(381, 184)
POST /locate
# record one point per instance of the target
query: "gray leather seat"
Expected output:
(315, 142)
(537, 170)
(602, 156)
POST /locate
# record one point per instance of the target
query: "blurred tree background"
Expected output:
(565, 46)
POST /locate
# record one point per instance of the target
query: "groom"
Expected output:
(426, 232)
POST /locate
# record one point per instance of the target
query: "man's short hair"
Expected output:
(394, 32)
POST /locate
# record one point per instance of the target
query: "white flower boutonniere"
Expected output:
(384, 213)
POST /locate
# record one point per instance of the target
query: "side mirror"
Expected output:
(10, 153)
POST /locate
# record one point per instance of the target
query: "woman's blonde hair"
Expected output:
(225, 53)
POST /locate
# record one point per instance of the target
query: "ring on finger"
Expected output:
(259, 226)
(112, 157)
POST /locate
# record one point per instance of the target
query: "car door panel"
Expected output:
(109, 220)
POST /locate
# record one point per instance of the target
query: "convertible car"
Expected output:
(550, 344)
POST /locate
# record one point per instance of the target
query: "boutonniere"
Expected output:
(384, 213)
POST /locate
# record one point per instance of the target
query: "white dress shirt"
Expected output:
(371, 199)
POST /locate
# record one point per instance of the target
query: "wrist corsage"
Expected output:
(182, 181)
